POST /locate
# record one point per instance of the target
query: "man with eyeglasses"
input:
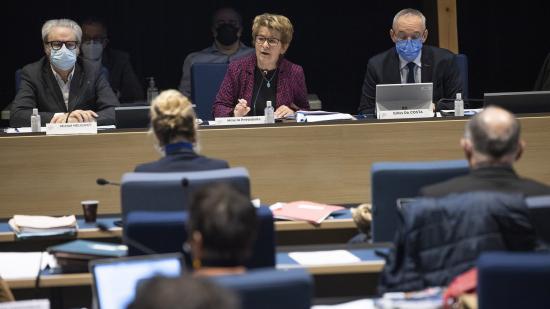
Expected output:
(122, 77)
(410, 61)
(227, 28)
(61, 86)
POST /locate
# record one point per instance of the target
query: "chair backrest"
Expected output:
(393, 180)
(462, 62)
(173, 191)
(539, 213)
(271, 288)
(206, 79)
(513, 280)
(166, 231)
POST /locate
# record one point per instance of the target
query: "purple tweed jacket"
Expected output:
(239, 84)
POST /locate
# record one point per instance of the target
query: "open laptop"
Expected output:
(115, 280)
(404, 96)
(132, 117)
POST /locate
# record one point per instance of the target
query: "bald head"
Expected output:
(494, 135)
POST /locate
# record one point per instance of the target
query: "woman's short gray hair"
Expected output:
(412, 12)
(64, 22)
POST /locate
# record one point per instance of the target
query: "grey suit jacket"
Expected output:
(89, 90)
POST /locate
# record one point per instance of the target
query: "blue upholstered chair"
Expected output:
(166, 231)
(271, 289)
(206, 79)
(172, 191)
(513, 280)
(462, 62)
(394, 180)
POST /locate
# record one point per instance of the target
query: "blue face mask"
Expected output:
(63, 59)
(408, 49)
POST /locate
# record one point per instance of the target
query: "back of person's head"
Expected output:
(279, 23)
(184, 292)
(494, 134)
(173, 118)
(223, 226)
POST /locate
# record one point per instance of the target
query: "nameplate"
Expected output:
(405, 113)
(71, 128)
(231, 121)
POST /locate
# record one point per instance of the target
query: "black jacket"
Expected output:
(183, 160)
(89, 90)
(494, 178)
(442, 238)
(122, 77)
(438, 66)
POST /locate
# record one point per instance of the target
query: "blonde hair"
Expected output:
(274, 22)
(173, 118)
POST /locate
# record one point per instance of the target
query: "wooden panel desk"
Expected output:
(328, 163)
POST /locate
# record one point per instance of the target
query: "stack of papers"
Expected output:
(316, 116)
(303, 211)
(43, 226)
(75, 255)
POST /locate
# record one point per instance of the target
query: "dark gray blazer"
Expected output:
(122, 77)
(89, 90)
(438, 66)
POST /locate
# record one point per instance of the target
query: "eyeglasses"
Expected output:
(415, 36)
(94, 41)
(260, 40)
(56, 45)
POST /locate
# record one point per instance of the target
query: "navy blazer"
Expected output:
(438, 67)
(89, 90)
(183, 160)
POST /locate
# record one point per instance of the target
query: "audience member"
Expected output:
(265, 75)
(184, 292)
(227, 28)
(95, 47)
(173, 124)
(410, 61)
(222, 229)
(63, 87)
(491, 144)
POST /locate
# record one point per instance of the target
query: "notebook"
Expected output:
(115, 280)
(404, 96)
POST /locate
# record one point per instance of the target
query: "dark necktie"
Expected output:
(410, 75)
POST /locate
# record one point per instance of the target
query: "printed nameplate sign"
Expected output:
(71, 128)
(405, 113)
(231, 121)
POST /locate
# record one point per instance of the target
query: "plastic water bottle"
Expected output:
(459, 105)
(35, 121)
(269, 113)
(152, 90)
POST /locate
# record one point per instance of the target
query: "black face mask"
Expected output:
(227, 34)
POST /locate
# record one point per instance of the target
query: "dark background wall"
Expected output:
(506, 44)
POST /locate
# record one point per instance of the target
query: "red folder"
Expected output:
(303, 210)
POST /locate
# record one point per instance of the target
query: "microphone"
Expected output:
(103, 182)
(132, 242)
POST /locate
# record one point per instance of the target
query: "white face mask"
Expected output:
(92, 50)
(63, 58)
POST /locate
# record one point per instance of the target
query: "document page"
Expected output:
(324, 257)
(19, 265)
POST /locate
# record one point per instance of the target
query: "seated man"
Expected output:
(491, 144)
(123, 79)
(63, 87)
(227, 27)
(411, 62)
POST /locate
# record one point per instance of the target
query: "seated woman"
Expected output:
(222, 229)
(264, 75)
(173, 123)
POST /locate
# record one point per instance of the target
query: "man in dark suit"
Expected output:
(411, 62)
(62, 87)
(123, 79)
(491, 144)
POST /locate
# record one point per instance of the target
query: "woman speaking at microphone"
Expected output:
(264, 75)
(173, 124)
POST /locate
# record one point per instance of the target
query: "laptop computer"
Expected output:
(404, 96)
(115, 280)
(520, 102)
(132, 117)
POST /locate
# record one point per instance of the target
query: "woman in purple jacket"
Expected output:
(264, 76)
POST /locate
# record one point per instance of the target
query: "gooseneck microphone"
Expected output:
(132, 242)
(103, 182)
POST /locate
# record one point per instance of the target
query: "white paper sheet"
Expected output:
(27, 304)
(19, 265)
(357, 304)
(324, 257)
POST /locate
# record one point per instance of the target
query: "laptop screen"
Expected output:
(115, 280)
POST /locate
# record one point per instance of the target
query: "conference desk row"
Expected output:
(326, 162)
